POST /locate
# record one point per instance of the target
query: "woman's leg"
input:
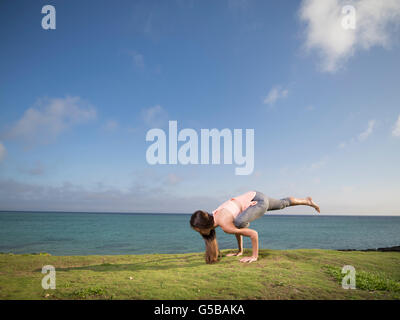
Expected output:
(275, 204)
(253, 212)
(265, 203)
(305, 202)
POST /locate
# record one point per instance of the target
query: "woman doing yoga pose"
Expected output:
(234, 217)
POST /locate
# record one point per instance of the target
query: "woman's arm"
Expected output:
(239, 239)
(252, 234)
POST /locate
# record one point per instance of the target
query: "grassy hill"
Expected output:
(286, 274)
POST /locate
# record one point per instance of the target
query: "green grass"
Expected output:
(286, 274)
(371, 281)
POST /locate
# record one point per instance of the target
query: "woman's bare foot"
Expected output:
(313, 204)
(235, 254)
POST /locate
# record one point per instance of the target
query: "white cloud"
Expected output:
(396, 129)
(274, 94)
(154, 116)
(375, 21)
(138, 59)
(365, 134)
(50, 117)
(361, 136)
(2, 151)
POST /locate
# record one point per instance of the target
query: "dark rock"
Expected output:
(388, 249)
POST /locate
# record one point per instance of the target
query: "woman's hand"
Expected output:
(249, 259)
(235, 254)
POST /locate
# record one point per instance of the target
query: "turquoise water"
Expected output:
(96, 233)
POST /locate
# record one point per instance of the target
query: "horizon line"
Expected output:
(184, 213)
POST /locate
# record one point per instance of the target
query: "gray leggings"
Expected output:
(263, 205)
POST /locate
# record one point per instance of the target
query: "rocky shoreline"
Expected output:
(387, 249)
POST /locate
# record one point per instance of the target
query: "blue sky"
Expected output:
(76, 103)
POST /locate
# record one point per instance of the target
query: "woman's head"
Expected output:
(203, 223)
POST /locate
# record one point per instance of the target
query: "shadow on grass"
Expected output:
(157, 264)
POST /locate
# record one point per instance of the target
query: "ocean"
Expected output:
(70, 233)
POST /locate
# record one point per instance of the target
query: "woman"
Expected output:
(234, 217)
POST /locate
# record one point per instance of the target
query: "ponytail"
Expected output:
(212, 250)
(203, 220)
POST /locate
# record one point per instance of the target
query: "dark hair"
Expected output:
(203, 220)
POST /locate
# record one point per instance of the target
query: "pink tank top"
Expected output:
(238, 204)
